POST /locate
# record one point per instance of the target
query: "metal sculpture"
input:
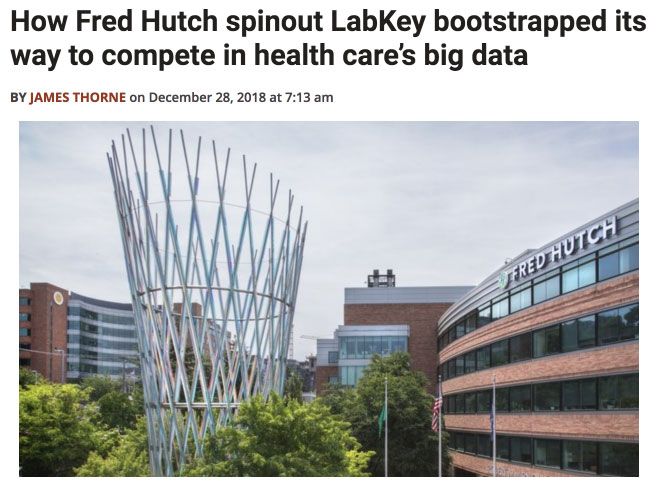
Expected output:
(213, 290)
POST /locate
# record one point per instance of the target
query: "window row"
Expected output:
(22, 301)
(603, 458)
(366, 346)
(100, 330)
(24, 332)
(24, 317)
(100, 317)
(609, 262)
(617, 392)
(104, 357)
(86, 368)
(349, 375)
(610, 326)
(101, 343)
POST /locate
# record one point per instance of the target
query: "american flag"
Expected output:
(436, 411)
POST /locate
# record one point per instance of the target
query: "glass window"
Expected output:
(23, 301)
(619, 459)
(520, 399)
(470, 402)
(587, 274)
(484, 401)
(579, 333)
(499, 309)
(24, 362)
(521, 300)
(460, 330)
(547, 396)
(471, 323)
(451, 369)
(471, 443)
(520, 450)
(484, 315)
(579, 395)
(333, 379)
(629, 259)
(386, 345)
(333, 357)
(629, 321)
(502, 399)
(484, 445)
(24, 346)
(609, 324)
(24, 317)
(502, 447)
(570, 280)
(499, 353)
(459, 366)
(546, 290)
(459, 441)
(484, 358)
(459, 403)
(580, 456)
(520, 347)
(343, 347)
(469, 362)
(617, 392)
(377, 344)
(547, 452)
(24, 331)
(547, 341)
(608, 266)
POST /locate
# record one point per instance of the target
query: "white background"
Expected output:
(585, 76)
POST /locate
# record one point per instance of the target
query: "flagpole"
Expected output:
(440, 436)
(493, 427)
(386, 427)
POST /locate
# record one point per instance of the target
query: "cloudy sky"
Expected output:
(439, 203)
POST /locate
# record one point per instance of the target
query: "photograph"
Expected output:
(328, 298)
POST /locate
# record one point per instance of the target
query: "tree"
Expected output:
(412, 445)
(57, 429)
(116, 410)
(129, 458)
(293, 387)
(27, 377)
(277, 438)
(99, 386)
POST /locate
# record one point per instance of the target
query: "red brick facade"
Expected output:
(322, 375)
(48, 324)
(421, 319)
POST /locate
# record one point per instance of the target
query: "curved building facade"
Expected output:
(557, 328)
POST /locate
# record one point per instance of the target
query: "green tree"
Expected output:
(278, 438)
(57, 429)
(99, 386)
(116, 410)
(128, 458)
(27, 377)
(412, 445)
(293, 387)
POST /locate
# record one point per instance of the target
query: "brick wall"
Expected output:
(322, 375)
(483, 466)
(422, 320)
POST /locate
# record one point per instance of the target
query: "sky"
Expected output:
(440, 203)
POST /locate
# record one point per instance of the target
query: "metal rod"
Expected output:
(385, 426)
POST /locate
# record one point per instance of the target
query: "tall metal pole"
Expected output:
(386, 427)
(493, 426)
(440, 431)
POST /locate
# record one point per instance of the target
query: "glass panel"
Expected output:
(459, 403)
(608, 266)
(547, 396)
(377, 344)
(588, 394)
(629, 391)
(586, 332)
(471, 323)
(484, 316)
(571, 395)
(502, 400)
(570, 280)
(608, 393)
(351, 347)
(590, 458)
(484, 401)
(547, 452)
(499, 353)
(484, 445)
(619, 459)
(587, 274)
(471, 443)
(608, 326)
(500, 309)
(520, 448)
(470, 403)
(570, 336)
(502, 447)
(521, 300)
(460, 330)
(469, 362)
(520, 398)
(333, 357)
(629, 320)
(629, 259)
(459, 366)
(484, 358)
(520, 347)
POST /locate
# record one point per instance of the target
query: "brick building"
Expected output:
(558, 329)
(382, 319)
(67, 336)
